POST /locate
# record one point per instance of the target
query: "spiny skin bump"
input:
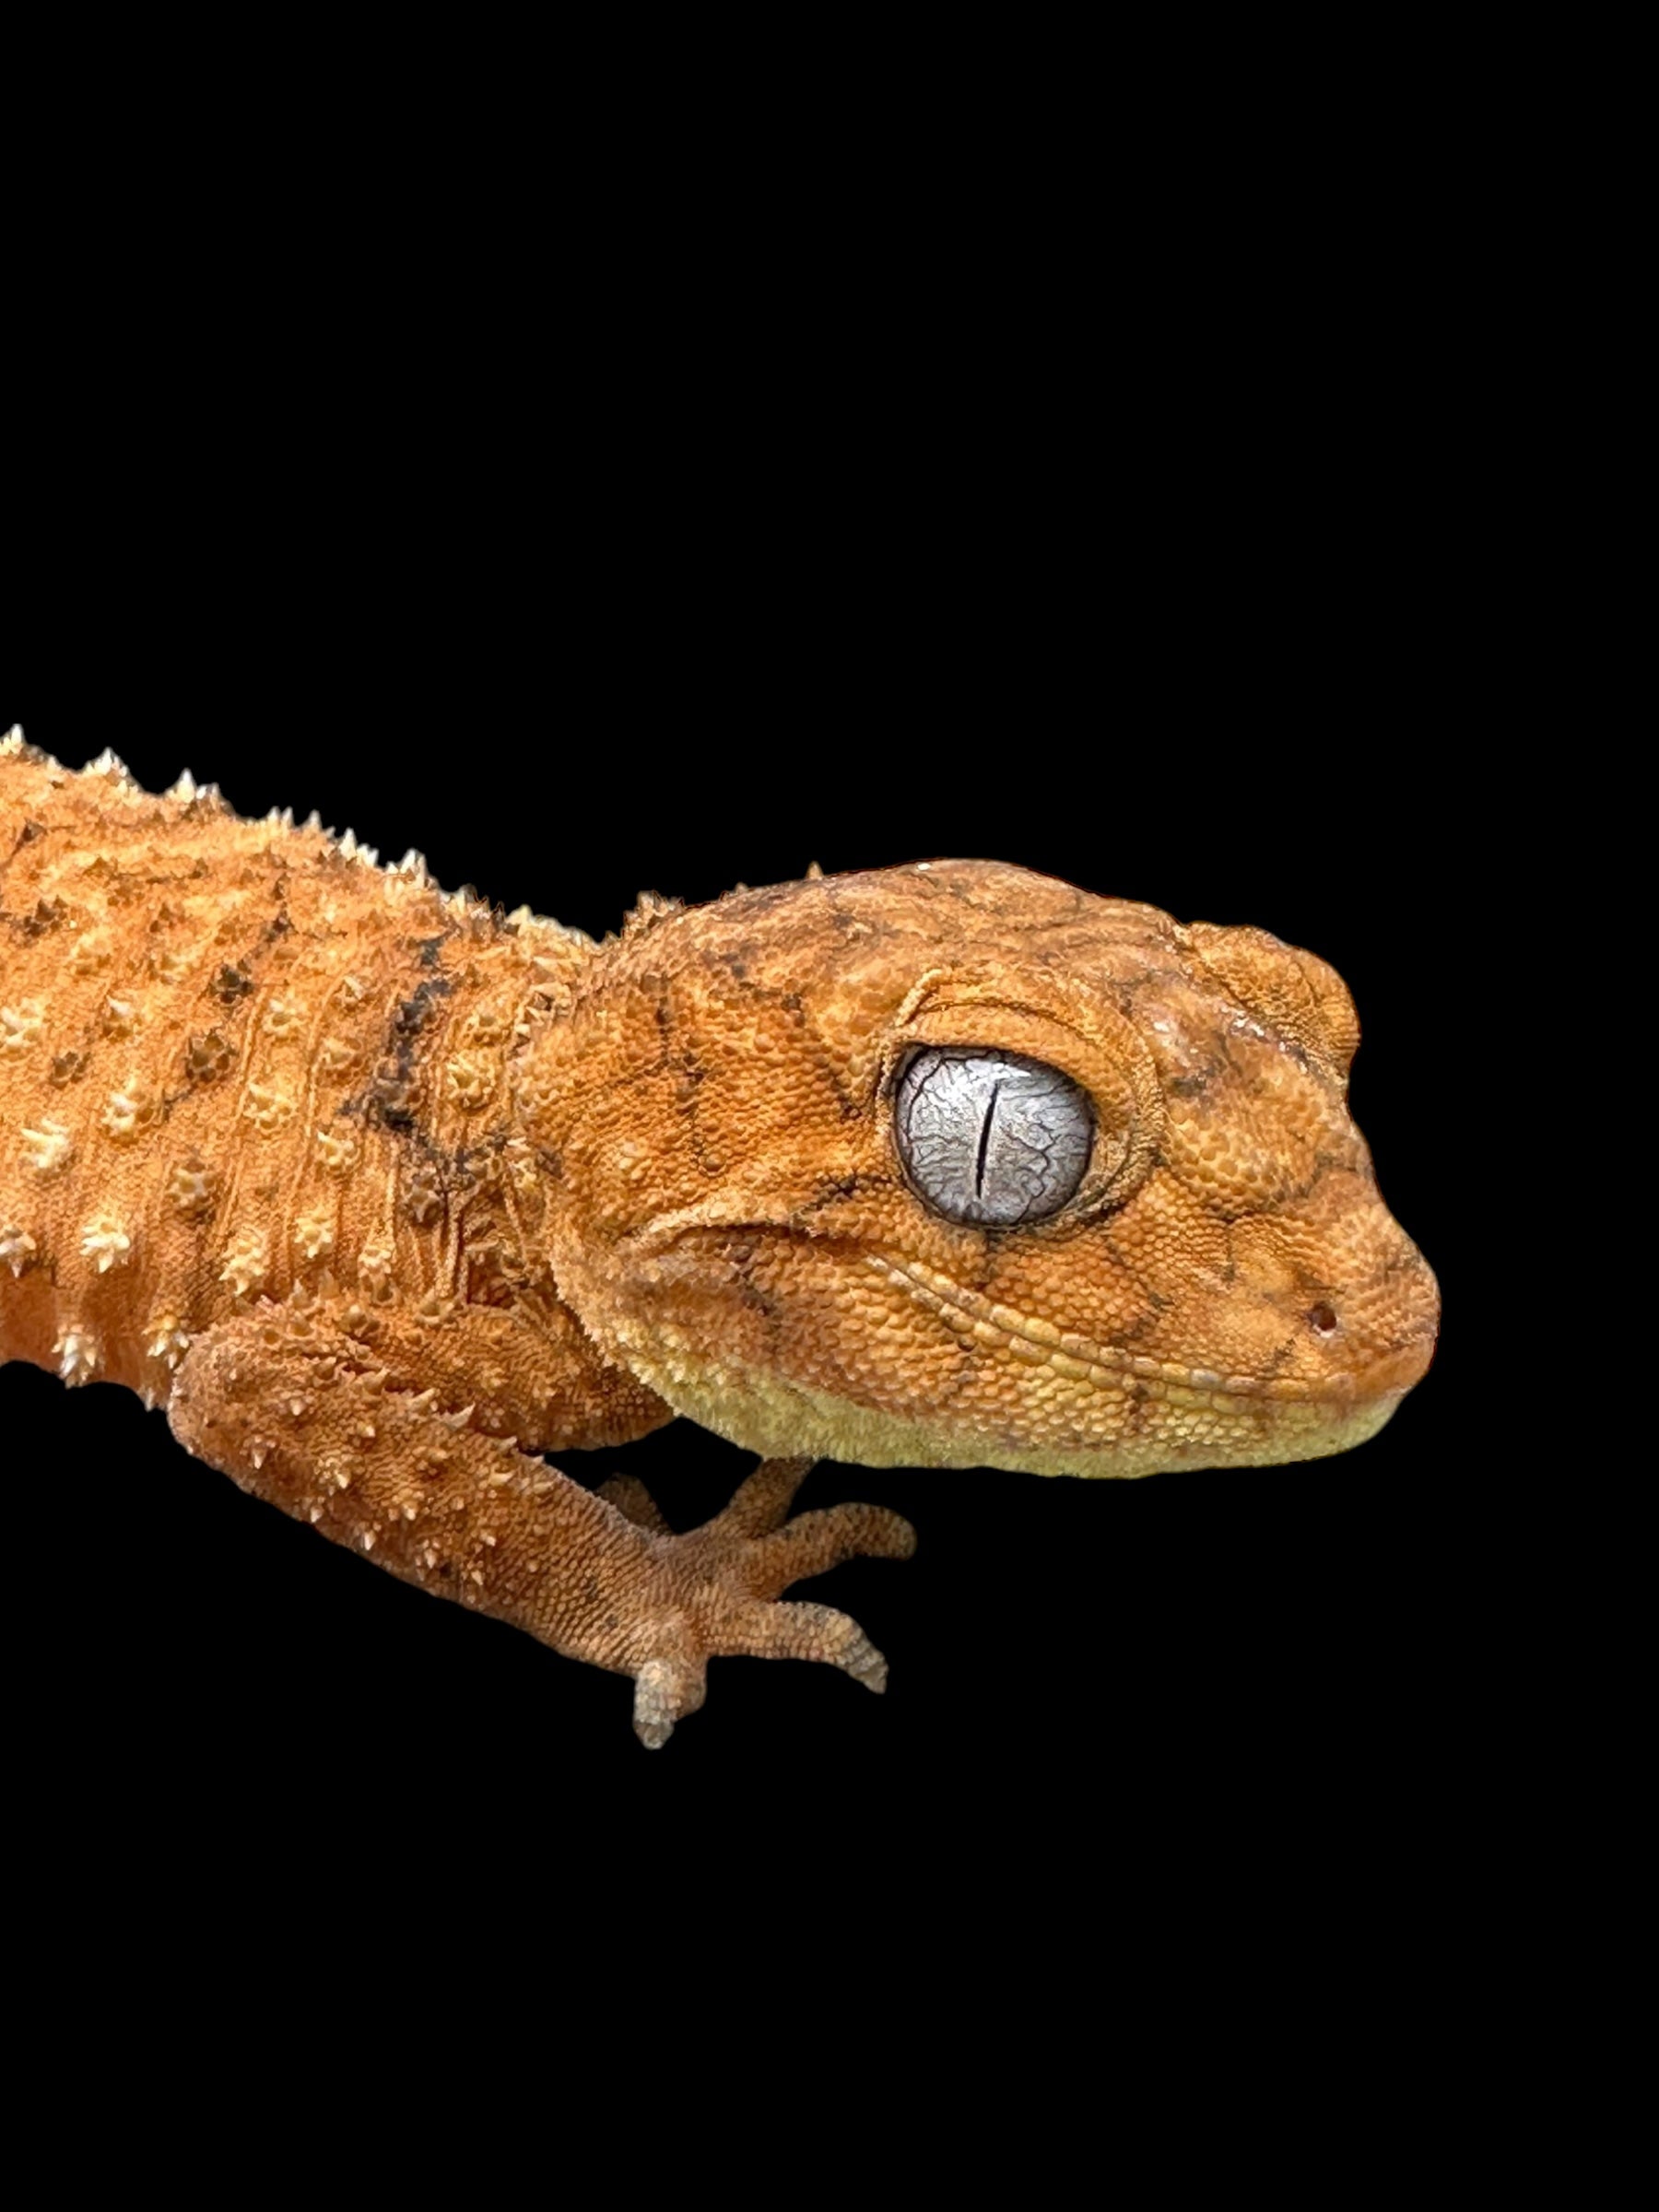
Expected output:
(382, 1194)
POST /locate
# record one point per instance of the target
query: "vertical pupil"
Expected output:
(985, 1143)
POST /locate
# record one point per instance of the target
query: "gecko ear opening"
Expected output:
(1065, 1025)
(1293, 992)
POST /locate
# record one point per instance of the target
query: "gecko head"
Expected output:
(957, 1165)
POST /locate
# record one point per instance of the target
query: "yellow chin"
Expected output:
(1120, 1433)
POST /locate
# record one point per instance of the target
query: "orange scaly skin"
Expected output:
(382, 1194)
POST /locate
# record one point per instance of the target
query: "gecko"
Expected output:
(382, 1194)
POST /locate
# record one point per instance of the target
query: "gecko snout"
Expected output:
(1381, 1338)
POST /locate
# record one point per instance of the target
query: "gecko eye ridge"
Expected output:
(990, 1136)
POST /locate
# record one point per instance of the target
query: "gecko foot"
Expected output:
(719, 1587)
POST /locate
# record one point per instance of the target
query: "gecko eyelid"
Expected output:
(988, 1135)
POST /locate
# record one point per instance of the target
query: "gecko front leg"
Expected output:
(372, 1445)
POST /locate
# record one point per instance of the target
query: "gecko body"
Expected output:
(382, 1194)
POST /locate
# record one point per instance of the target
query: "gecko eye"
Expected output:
(988, 1136)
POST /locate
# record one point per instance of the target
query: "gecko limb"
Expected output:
(368, 1443)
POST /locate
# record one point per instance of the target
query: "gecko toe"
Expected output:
(762, 1501)
(634, 1502)
(665, 1691)
(809, 1631)
(817, 1541)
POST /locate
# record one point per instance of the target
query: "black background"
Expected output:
(1186, 636)
(1176, 473)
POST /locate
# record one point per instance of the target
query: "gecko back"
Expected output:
(236, 1057)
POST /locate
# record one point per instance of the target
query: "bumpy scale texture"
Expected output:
(382, 1194)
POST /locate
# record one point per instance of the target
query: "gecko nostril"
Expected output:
(1321, 1319)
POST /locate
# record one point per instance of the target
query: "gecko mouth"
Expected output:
(1024, 1336)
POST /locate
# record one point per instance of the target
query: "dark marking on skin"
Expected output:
(666, 1052)
(47, 915)
(835, 1189)
(1194, 1084)
(840, 921)
(961, 1381)
(206, 1058)
(1139, 1328)
(852, 1106)
(493, 1278)
(981, 1251)
(1286, 1196)
(231, 982)
(629, 1076)
(429, 947)
(68, 1067)
(395, 1086)
(466, 1174)
(412, 1014)
(761, 1302)
(392, 1092)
